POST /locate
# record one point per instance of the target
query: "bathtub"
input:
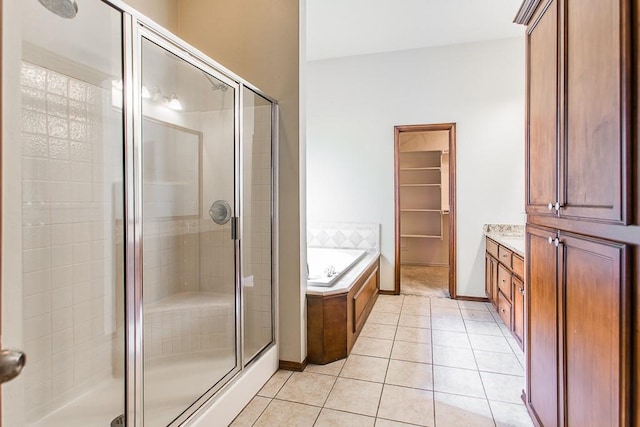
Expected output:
(327, 265)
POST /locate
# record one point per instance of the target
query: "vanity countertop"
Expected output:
(345, 282)
(508, 235)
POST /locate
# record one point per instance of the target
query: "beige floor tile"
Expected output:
(416, 310)
(409, 374)
(446, 312)
(473, 305)
(384, 318)
(407, 405)
(513, 344)
(420, 300)
(332, 368)
(483, 328)
(405, 333)
(388, 306)
(378, 330)
(510, 415)
(358, 397)
(381, 422)
(412, 352)
(503, 388)
(490, 343)
(365, 368)
(477, 315)
(448, 324)
(501, 363)
(451, 339)
(307, 388)
(414, 321)
(251, 412)
(444, 302)
(332, 418)
(457, 381)
(385, 298)
(275, 383)
(496, 317)
(375, 347)
(453, 410)
(454, 357)
(281, 413)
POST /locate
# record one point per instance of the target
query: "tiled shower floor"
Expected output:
(418, 361)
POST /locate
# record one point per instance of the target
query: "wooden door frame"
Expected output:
(451, 127)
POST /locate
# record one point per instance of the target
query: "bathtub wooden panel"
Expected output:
(335, 321)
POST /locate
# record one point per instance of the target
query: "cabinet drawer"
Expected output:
(492, 248)
(517, 264)
(504, 310)
(504, 255)
(504, 281)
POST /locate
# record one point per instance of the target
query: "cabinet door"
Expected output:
(518, 310)
(494, 282)
(594, 149)
(487, 277)
(595, 332)
(542, 111)
(542, 326)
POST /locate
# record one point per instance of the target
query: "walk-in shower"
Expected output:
(137, 218)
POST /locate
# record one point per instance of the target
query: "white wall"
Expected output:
(353, 104)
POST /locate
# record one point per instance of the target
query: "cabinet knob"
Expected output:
(554, 241)
(521, 290)
(554, 206)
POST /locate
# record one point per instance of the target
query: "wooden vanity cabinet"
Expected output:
(579, 350)
(581, 321)
(576, 141)
(504, 286)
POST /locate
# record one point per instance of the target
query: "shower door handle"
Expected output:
(234, 228)
(11, 364)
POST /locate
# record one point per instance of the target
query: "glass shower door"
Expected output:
(189, 252)
(62, 213)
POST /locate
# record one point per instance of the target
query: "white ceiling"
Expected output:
(337, 28)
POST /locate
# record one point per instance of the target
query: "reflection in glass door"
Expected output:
(189, 263)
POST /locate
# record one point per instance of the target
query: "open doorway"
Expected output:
(425, 214)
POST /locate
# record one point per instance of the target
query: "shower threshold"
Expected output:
(162, 404)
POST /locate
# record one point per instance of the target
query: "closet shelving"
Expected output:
(420, 194)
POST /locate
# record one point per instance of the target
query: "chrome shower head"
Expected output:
(63, 8)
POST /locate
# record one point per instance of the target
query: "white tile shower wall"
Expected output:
(256, 233)
(170, 254)
(68, 224)
(344, 235)
(189, 322)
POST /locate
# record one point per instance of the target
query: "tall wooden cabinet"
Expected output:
(581, 323)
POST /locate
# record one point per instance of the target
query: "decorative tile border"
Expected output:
(343, 235)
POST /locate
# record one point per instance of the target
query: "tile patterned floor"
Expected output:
(419, 361)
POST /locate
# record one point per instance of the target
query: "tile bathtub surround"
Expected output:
(444, 370)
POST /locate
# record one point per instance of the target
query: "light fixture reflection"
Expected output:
(145, 92)
(174, 103)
